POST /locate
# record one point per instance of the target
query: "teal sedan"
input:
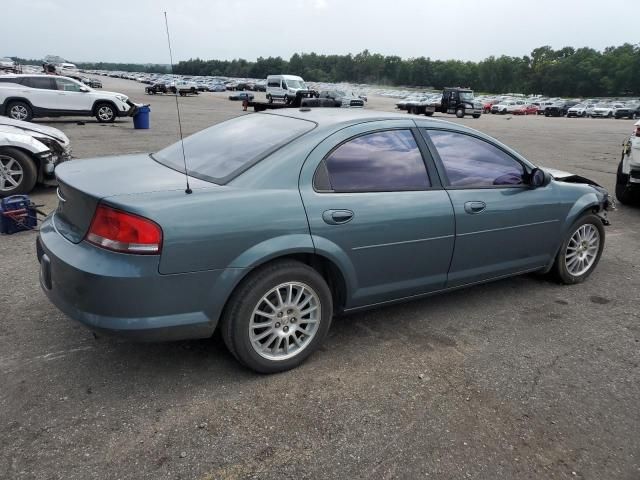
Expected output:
(268, 225)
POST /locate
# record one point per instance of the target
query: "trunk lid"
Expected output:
(82, 184)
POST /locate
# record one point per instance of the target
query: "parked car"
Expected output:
(402, 104)
(346, 99)
(7, 64)
(23, 97)
(508, 106)
(605, 110)
(628, 175)
(288, 224)
(558, 109)
(581, 110)
(216, 87)
(527, 109)
(29, 154)
(630, 110)
(242, 96)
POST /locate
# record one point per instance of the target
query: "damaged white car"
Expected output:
(29, 154)
(628, 176)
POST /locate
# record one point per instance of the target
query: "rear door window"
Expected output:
(42, 83)
(220, 153)
(381, 161)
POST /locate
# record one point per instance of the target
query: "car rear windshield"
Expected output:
(220, 153)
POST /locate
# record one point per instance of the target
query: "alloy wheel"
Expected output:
(105, 113)
(19, 112)
(582, 250)
(284, 321)
(11, 173)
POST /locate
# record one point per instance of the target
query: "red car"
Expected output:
(526, 110)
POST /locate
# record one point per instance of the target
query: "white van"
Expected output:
(284, 87)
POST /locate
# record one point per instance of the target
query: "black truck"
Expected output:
(458, 101)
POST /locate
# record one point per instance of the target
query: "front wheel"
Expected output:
(105, 113)
(460, 113)
(581, 250)
(18, 172)
(277, 317)
(476, 115)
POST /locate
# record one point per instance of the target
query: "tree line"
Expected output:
(565, 72)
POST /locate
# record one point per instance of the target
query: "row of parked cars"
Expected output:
(418, 103)
(557, 107)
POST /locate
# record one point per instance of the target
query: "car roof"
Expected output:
(327, 117)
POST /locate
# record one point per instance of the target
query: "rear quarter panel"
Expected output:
(224, 227)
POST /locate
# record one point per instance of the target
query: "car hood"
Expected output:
(9, 124)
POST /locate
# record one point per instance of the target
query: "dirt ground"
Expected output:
(520, 378)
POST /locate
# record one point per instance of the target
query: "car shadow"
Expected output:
(437, 322)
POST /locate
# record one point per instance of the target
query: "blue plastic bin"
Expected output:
(141, 118)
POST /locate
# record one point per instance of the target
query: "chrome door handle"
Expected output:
(337, 217)
(474, 207)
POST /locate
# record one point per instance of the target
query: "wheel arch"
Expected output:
(97, 103)
(9, 100)
(578, 211)
(328, 268)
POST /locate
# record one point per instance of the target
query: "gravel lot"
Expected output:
(520, 378)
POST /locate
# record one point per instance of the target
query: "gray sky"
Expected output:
(133, 30)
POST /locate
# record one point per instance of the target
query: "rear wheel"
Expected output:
(20, 111)
(105, 113)
(581, 250)
(18, 172)
(277, 317)
(476, 115)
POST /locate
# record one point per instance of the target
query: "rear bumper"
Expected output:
(124, 295)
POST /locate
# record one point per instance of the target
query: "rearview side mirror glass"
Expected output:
(538, 178)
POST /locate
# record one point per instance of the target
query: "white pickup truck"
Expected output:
(628, 177)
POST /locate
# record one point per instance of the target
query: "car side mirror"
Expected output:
(84, 89)
(538, 178)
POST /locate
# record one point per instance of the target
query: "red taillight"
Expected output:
(124, 232)
(638, 131)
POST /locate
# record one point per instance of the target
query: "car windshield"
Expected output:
(221, 152)
(466, 96)
(296, 84)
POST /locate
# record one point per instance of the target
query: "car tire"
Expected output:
(609, 115)
(573, 264)
(105, 113)
(19, 111)
(255, 294)
(460, 113)
(21, 168)
(634, 116)
(476, 115)
(429, 114)
(269, 99)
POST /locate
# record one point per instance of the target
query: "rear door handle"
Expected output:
(474, 207)
(337, 217)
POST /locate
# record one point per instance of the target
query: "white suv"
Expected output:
(23, 97)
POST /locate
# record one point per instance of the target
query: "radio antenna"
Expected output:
(184, 156)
